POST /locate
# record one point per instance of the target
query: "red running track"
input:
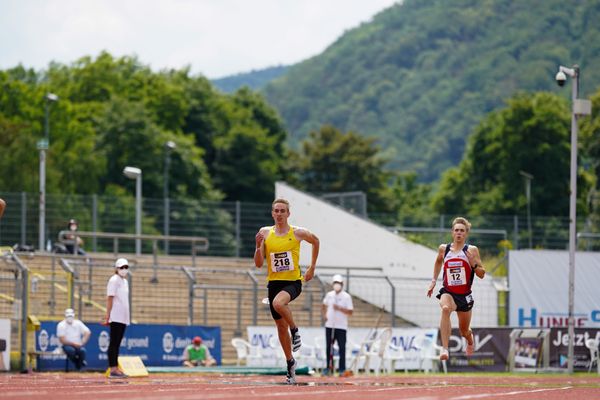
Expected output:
(50, 386)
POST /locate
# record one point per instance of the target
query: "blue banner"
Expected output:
(156, 345)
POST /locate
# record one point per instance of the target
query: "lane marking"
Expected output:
(514, 393)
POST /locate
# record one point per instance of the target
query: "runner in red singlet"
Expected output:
(460, 262)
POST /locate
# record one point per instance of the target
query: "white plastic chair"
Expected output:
(429, 350)
(352, 350)
(377, 351)
(592, 345)
(392, 354)
(307, 355)
(362, 357)
(246, 351)
(279, 354)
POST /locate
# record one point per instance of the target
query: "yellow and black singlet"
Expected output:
(283, 255)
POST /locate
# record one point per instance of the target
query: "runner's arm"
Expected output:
(259, 252)
(305, 234)
(475, 261)
(437, 267)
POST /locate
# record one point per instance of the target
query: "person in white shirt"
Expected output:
(337, 307)
(73, 335)
(117, 314)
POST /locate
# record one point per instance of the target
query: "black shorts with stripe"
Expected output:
(464, 302)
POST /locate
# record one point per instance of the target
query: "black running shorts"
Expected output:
(464, 302)
(294, 288)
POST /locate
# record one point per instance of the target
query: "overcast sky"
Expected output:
(215, 37)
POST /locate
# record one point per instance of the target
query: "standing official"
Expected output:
(117, 314)
(337, 307)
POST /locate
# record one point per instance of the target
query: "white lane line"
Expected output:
(514, 393)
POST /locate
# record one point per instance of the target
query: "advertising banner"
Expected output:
(559, 345)
(492, 346)
(265, 337)
(527, 352)
(156, 345)
(491, 350)
(4, 344)
(538, 281)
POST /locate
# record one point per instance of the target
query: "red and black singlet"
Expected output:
(458, 273)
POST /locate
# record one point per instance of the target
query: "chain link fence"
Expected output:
(231, 226)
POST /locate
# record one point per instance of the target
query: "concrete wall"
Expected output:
(350, 241)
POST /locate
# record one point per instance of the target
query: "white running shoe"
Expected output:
(444, 355)
(291, 372)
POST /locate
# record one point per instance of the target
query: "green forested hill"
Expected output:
(255, 79)
(421, 74)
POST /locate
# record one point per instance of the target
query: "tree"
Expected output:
(249, 151)
(531, 134)
(413, 200)
(589, 150)
(130, 137)
(332, 161)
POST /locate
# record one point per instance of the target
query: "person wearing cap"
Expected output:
(72, 241)
(117, 314)
(196, 354)
(73, 335)
(337, 307)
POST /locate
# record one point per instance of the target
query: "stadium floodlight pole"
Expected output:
(42, 146)
(528, 178)
(169, 146)
(579, 107)
(136, 173)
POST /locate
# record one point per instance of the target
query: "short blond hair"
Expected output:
(282, 201)
(461, 220)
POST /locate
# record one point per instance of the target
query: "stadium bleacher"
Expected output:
(224, 294)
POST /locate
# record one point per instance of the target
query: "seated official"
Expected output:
(197, 354)
(73, 335)
(71, 239)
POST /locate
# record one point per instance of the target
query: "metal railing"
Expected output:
(197, 243)
(20, 302)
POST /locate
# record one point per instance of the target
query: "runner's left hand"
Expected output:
(310, 273)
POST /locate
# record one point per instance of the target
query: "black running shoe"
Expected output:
(296, 342)
(291, 372)
(117, 375)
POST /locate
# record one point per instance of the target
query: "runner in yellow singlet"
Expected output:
(280, 245)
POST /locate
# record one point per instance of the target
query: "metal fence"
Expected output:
(14, 279)
(42, 286)
(231, 226)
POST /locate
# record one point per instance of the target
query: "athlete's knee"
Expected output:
(279, 305)
(446, 309)
(465, 332)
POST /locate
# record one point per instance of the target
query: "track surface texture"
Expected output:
(160, 386)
